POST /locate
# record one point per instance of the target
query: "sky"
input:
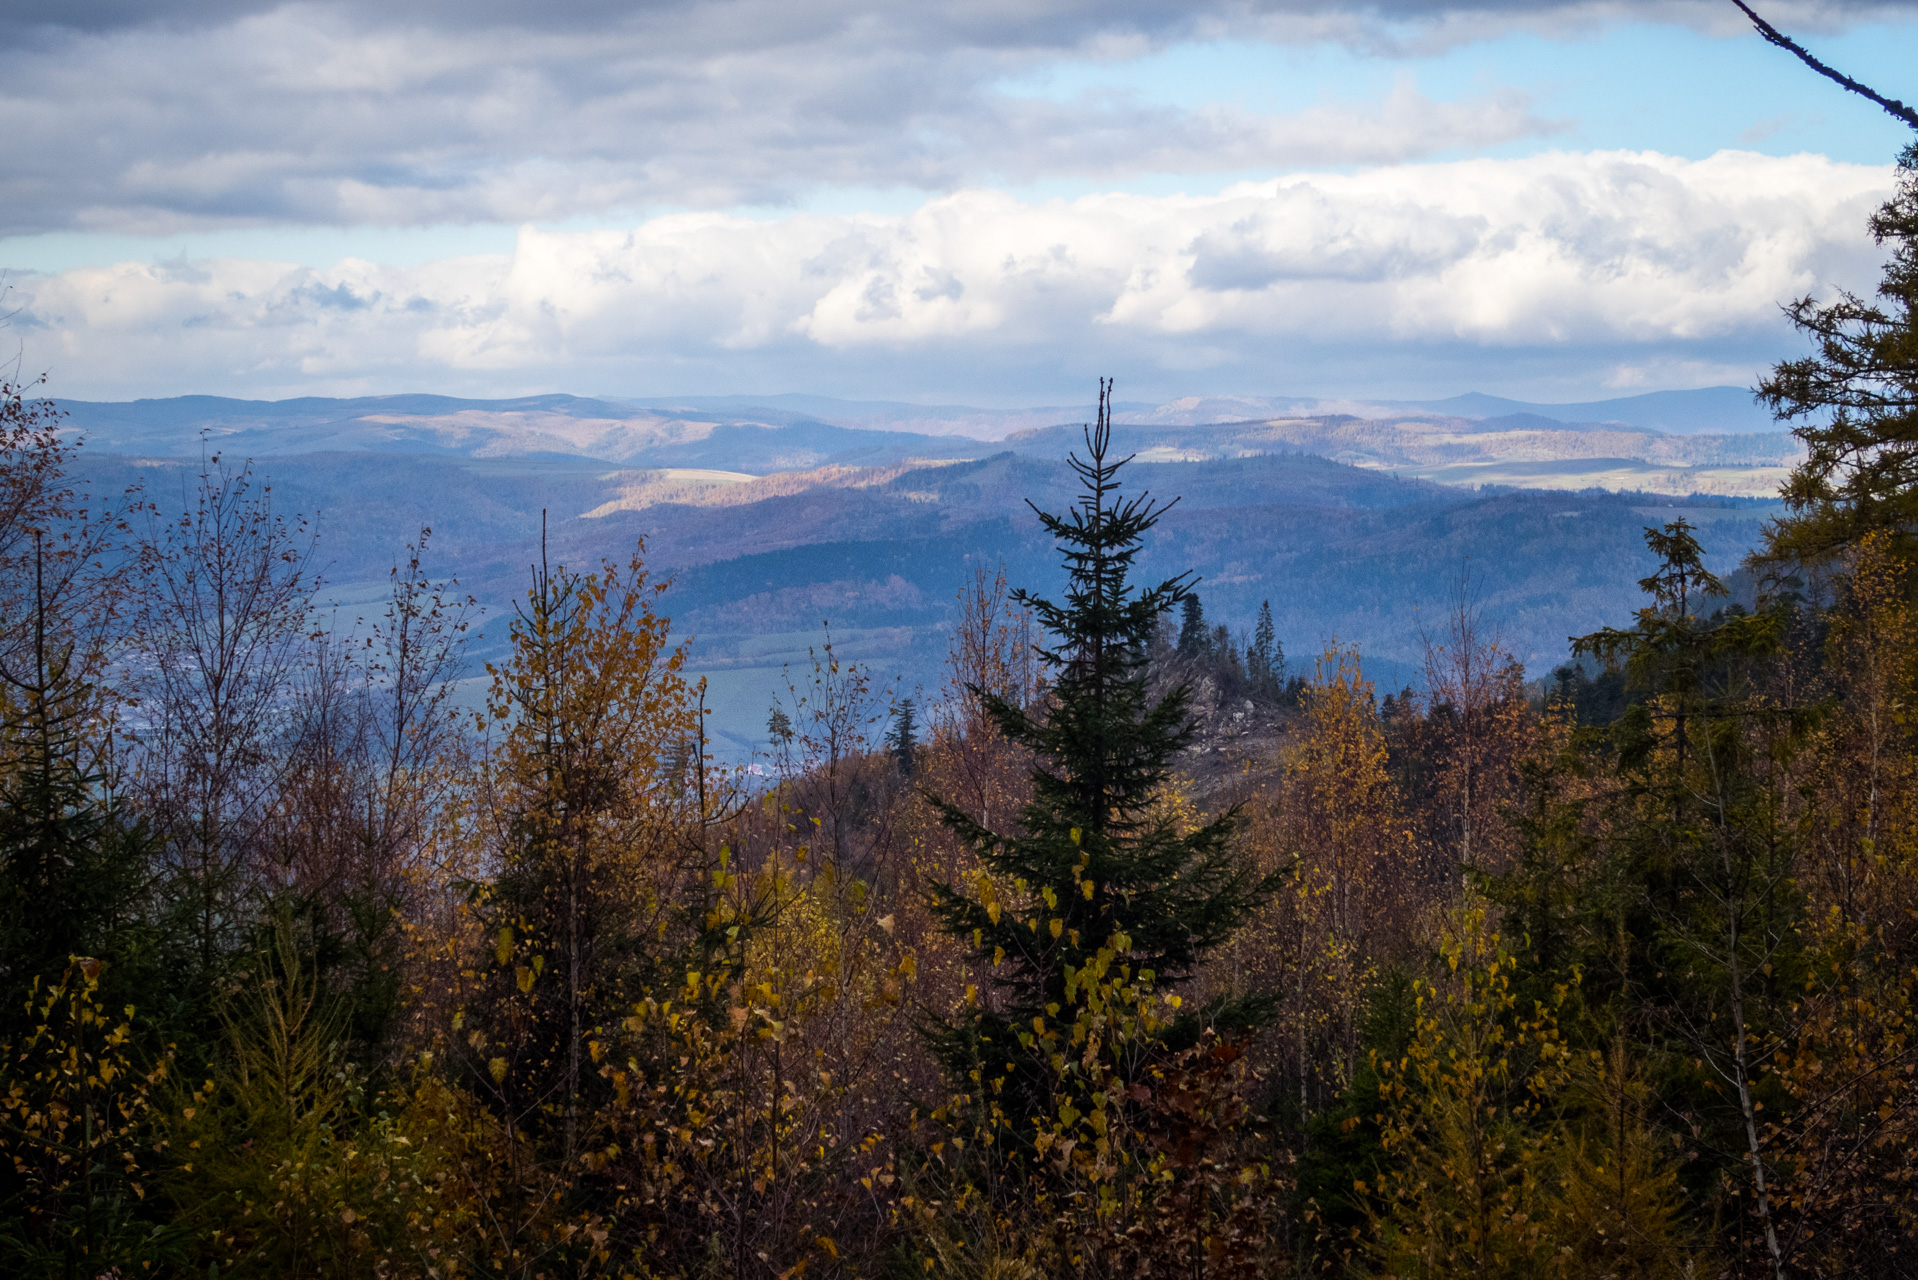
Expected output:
(986, 202)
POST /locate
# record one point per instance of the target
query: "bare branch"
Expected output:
(1785, 42)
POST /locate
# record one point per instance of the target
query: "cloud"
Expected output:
(1589, 263)
(322, 116)
(749, 22)
(143, 119)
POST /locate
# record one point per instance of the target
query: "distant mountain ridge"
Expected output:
(1707, 410)
(1520, 450)
(758, 436)
(758, 563)
(774, 514)
(888, 415)
(1715, 410)
(623, 429)
(757, 439)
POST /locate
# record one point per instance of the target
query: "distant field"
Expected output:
(1614, 474)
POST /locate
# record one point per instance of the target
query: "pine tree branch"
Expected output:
(1785, 42)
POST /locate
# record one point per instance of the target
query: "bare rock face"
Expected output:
(1234, 734)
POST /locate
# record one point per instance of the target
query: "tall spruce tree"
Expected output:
(1095, 864)
(903, 739)
(1194, 638)
(1265, 660)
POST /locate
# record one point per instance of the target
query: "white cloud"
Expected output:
(345, 113)
(307, 115)
(1599, 262)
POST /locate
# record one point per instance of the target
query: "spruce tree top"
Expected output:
(1095, 856)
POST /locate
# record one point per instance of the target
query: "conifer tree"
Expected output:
(1265, 660)
(1860, 471)
(1092, 865)
(589, 705)
(1684, 924)
(1665, 652)
(1193, 635)
(72, 862)
(903, 741)
(72, 868)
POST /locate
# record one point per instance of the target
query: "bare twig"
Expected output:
(1791, 46)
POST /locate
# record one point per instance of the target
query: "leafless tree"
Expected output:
(62, 565)
(374, 744)
(835, 777)
(991, 652)
(223, 624)
(1475, 705)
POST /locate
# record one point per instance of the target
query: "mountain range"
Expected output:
(773, 521)
(1473, 439)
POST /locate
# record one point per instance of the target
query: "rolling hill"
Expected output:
(760, 563)
(777, 515)
(1455, 442)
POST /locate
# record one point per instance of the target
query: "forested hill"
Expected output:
(760, 563)
(1710, 441)
(757, 439)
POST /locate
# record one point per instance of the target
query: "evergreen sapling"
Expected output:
(1094, 865)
